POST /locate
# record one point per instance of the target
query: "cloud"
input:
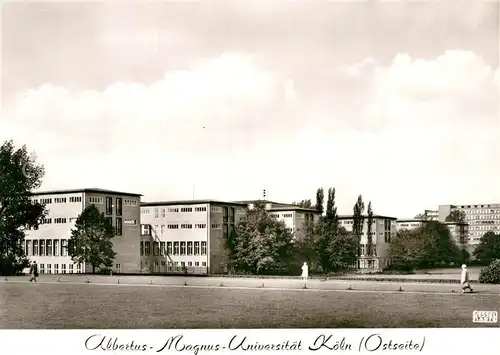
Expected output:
(408, 134)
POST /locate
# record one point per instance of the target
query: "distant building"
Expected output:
(186, 236)
(383, 230)
(47, 245)
(480, 217)
(294, 216)
(411, 223)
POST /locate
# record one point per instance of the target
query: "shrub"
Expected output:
(491, 273)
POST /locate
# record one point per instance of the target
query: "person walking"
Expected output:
(305, 273)
(464, 279)
(34, 272)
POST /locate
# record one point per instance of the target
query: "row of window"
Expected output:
(65, 269)
(284, 215)
(174, 264)
(173, 248)
(46, 247)
(214, 209)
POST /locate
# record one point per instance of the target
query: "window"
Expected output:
(162, 230)
(49, 247)
(173, 226)
(190, 263)
(60, 200)
(49, 269)
(63, 268)
(156, 212)
(145, 229)
(42, 269)
(216, 209)
(56, 268)
(110, 221)
(118, 226)
(60, 220)
(64, 247)
(196, 248)
(142, 248)
(109, 205)
(130, 222)
(204, 263)
(200, 209)
(173, 210)
(186, 226)
(46, 221)
(163, 213)
(183, 248)
(131, 203)
(45, 201)
(225, 231)
(216, 226)
(189, 248)
(187, 209)
(176, 248)
(196, 263)
(75, 199)
(147, 248)
(96, 200)
(200, 226)
(42, 247)
(29, 250)
(79, 268)
(162, 248)
(70, 268)
(203, 248)
(169, 248)
(119, 206)
(156, 248)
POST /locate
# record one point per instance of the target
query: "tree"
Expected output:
(90, 241)
(304, 244)
(409, 249)
(488, 248)
(331, 211)
(320, 199)
(303, 203)
(369, 229)
(445, 251)
(358, 219)
(456, 216)
(342, 250)
(19, 175)
(262, 244)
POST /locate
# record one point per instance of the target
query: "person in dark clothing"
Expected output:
(34, 272)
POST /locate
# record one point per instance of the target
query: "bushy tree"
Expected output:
(20, 174)
(488, 248)
(342, 250)
(491, 273)
(303, 203)
(262, 244)
(90, 241)
(369, 229)
(456, 216)
(320, 199)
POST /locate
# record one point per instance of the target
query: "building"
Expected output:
(294, 216)
(480, 217)
(186, 236)
(383, 229)
(411, 223)
(47, 244)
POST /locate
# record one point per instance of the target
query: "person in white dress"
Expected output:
(305, 272)
(464, 279)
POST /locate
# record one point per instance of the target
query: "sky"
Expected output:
(398, 102)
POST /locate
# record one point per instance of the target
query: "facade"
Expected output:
(481, 219)
(409, 224)
(186, 236)
(383, 229)
(295, 217)
(47, 244)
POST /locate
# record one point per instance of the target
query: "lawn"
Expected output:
(60, 305)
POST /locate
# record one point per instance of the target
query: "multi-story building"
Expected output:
(480, 217)
(409, 224)
(294, 216)
(47, 244)
(187, 236)
(383, 229)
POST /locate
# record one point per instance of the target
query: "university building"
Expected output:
(47, 244)
(186, 236)
(294, 216)
(383, 230)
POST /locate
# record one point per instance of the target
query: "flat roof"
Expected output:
(413, 220)
(189, 202)
(294, 208)
(375, 216)
(280, 206)
(88, 189)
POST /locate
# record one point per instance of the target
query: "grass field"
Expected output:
(71, 305)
